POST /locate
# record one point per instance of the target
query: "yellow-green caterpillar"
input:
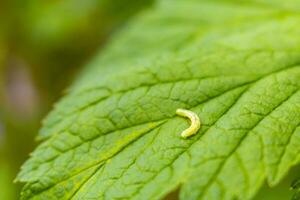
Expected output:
(195, 122)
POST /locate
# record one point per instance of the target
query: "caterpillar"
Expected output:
(195, 122)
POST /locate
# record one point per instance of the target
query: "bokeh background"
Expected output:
(43, 45)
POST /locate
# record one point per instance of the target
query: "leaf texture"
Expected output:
(116, 134)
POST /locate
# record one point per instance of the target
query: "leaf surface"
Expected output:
(116, 134)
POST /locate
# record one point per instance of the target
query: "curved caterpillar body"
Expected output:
(195, 122)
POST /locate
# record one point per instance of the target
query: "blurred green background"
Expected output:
(43, 44)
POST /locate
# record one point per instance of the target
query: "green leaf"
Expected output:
(116, 135)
